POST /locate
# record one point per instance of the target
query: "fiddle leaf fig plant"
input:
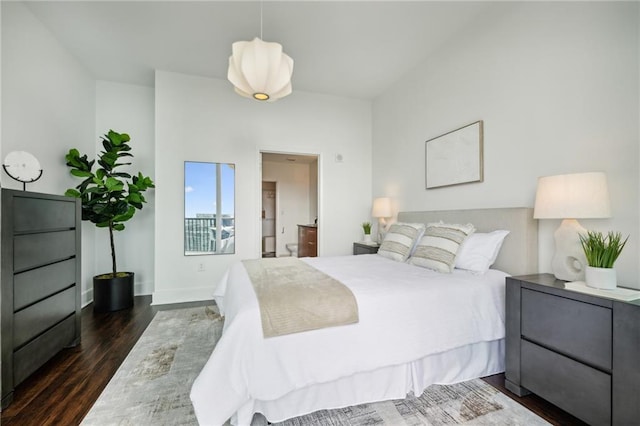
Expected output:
(109, 196)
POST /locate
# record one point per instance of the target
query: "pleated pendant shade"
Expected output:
(260, 70)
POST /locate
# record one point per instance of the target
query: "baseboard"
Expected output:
(164, 297)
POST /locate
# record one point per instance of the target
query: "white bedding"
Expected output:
(406, 313)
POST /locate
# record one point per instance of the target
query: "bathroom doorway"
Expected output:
(292, 181)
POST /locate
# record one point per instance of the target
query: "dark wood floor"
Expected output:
(64, 389)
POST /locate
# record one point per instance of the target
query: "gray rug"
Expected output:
(152, 386)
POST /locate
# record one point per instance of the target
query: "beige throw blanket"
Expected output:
(294, 296)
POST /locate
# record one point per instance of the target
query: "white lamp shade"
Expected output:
(381, 207)
(260, 70)
(572, 196)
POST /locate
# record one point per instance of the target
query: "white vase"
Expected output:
(367, 238)
(602, 278)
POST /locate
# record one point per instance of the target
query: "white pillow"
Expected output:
(478, 252)
(439, 245)
(399, 240)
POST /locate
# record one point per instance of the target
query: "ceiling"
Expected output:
(346, 48)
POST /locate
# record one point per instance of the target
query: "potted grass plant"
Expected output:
(602, 252)
(109, 198)
(366, 227)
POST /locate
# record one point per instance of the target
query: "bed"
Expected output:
(416, 327)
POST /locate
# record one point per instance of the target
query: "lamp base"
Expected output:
(382, 229)
(569, 261)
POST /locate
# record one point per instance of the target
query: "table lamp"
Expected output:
(570, 197)
(382, 210)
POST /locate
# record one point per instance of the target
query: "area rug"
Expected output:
(152, 386)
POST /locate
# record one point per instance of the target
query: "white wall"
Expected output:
(556, 84)
(203, 119)
(48, 107)
(292, 201)
(129, 109)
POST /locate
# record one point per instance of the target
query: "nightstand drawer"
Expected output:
(577, 329)
(362, 248)
(580, 390)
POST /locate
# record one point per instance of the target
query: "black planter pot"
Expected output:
(113, 294)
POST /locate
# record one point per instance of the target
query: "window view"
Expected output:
(209, 208)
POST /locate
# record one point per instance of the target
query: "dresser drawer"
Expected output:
(577, 329)
(36, 284)
(580, 390)
(37, 214)
(34, 250)
(29, 358)
(35, 319)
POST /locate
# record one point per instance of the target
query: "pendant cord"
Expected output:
(261, 20)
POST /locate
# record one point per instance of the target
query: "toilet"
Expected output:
(293, 249)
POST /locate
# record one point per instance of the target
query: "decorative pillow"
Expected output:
(478, 252)
(438, 246)
(399, 240)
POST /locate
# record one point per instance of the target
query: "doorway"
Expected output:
(292, 180)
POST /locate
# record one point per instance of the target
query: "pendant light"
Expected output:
(260, 69)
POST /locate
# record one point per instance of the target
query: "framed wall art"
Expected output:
(455, 157)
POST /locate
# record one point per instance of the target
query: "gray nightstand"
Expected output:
(578, 351)
(363, 248)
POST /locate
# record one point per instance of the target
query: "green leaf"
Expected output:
(125, 216)
(118, 227)
(72, 193)
(134, 198)
(72, 158)
(81, 173)
(113, 184)
(106, 143)
(114, 137)
(122, 175)
(109, 158)
(95, 189)
(601, 251)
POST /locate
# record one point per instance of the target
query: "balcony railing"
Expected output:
(200, 234)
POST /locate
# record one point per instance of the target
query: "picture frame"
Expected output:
(455, 157)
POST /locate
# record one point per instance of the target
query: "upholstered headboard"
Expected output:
(519, 253)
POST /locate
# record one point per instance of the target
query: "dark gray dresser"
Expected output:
(40, 282)
(578, 351)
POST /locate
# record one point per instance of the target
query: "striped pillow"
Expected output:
(439, 245)
(399, 240)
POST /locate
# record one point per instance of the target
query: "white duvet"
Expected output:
(406, 313)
